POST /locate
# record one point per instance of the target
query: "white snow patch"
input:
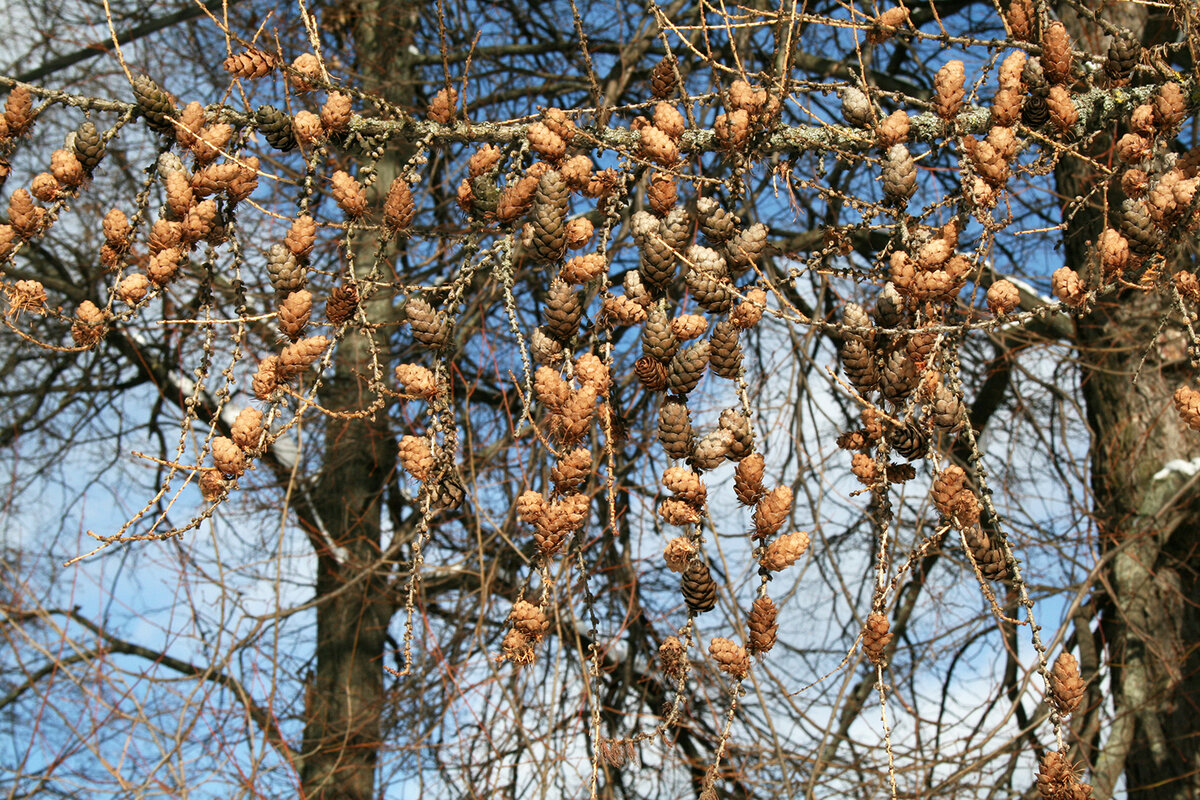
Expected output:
(1188, 468)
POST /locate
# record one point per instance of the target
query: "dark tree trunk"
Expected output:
(345, 699)
(1144, 510)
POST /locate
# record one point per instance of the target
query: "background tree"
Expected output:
(441, 329)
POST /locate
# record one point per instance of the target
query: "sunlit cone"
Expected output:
(307, 127)
(725, 352)
(551, 390)
(590, 370)
(577, 172)
(677, 512)
(349, 194)
(45, 187)
(530, 506)
(444, 105)
(210, 141)
(429, 327)
(698, 587)
(562, 310)
(251, 63)
(748, 479)
(572, 469)
(717, 224)
(1056, 53)
(887, 23)
(686, 485)
(1062, 109)
(675, 429)
(294, 313)
(710, 290)
(18, 111)
(307, 72)
(1138, 228)
(1012, 70)
(179, 193)
(247, 428)
(66, 168)
(156, 106)
(1003, 297)
(856, 108)
(24, 215)
(416, 381)
(899, 176)
(1006, 107)
(948, 90)
(852, 440)
(562, 125)
(898, 377)
(657, 146)
(212, 485)
(1188, 286)
(575, 419)
(687, 368)
(732, 129)
(298, 356)
(711, 450)
(276, 127)
(785, 551)
(865, 469)
(1022, 20)
(579, 233)
(1058, 779)
(672, 657)
(668, 120)
(738, 424)
(1187, 403)
(285, 272)
(88, 327)
(1066, 686)
(749, 312)
(893, 130)
(266, 378)
(876, 637)
(228, 458)
(529, 619)
(202, 223)
(763, 624)
(1067, 286)
(988, 557)
(663, 79)
(731, 658)
(651, 373)
(545, 142)
(163, 266)
(342, 303)
(660, 194)
(518, 649)
(1114, 251)
(133, 288)
(1170, 106)
(772, 511)
(584, 269)
(336, 113)
(1124, 52)
(678, 553)
(26, 295)
(516, 199)
(117, 230)
(416, 457)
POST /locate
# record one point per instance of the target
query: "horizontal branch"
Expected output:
(1097, 108)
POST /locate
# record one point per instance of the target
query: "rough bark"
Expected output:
(345, 697)
(1144, 513)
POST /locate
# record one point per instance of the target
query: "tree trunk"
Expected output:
(345, 699)
(1142, 508)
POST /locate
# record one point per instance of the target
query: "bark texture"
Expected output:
(1144, 510)
(345, 699)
